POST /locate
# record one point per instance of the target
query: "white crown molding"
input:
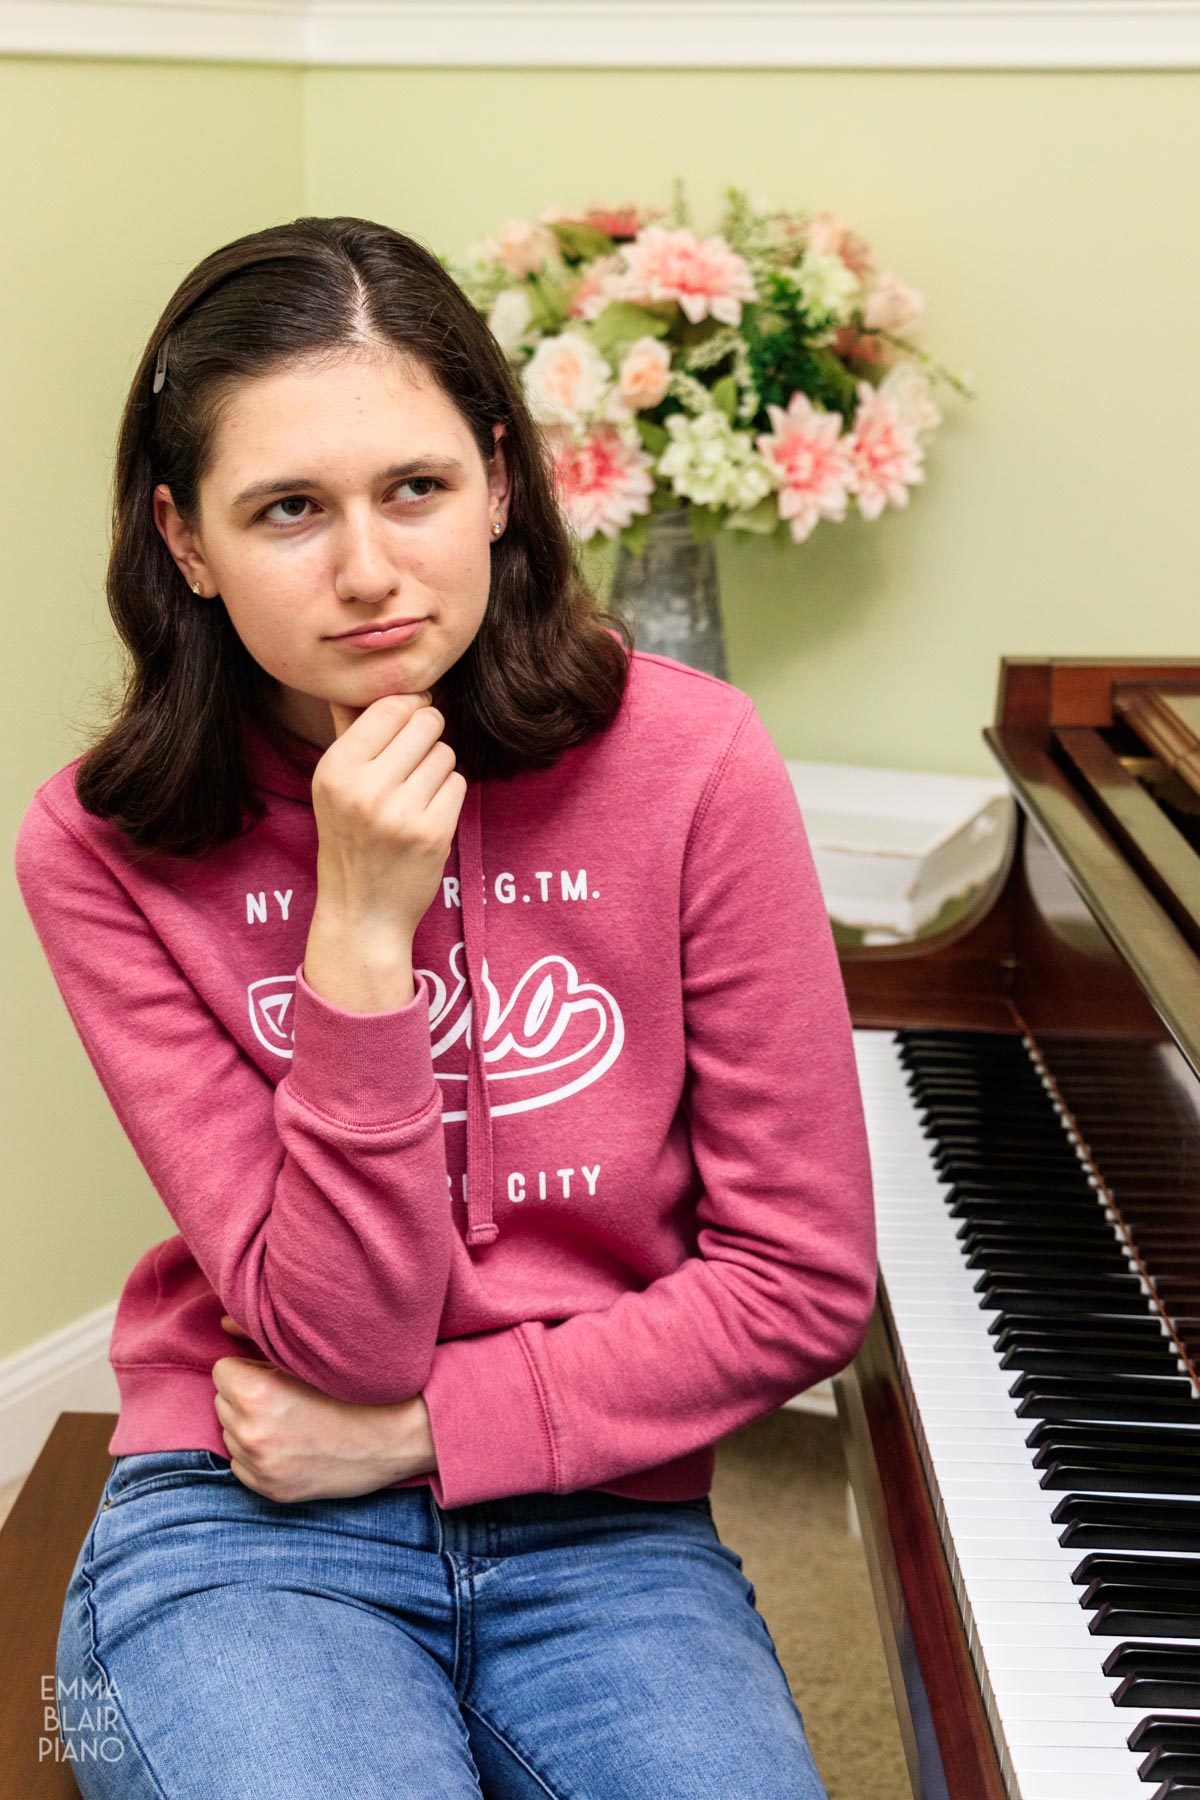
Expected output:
(774, 34)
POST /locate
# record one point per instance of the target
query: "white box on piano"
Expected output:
(892, 846)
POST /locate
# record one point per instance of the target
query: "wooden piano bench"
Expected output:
(39, 1542)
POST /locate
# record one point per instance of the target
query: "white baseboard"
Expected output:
(817, 1400)
(68, 1371)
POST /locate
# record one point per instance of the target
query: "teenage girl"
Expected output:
(461, 978)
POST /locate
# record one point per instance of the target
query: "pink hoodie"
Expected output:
(657, 1225)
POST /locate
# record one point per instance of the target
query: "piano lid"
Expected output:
(1104, 758)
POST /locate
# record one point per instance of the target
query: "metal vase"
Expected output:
(668, 591)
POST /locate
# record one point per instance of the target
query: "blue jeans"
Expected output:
(579, 1646)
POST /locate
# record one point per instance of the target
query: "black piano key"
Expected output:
(1129, 1390)
(1082, 1239)
(1173, 1766)
(1085, 1284)
(1001, 1296)
(1179, 1660)
(1096, 1365)
(1086, 1362)
(1159, 1612)
(1100, 1522)
(1141, 1691)
(1102, 1260)
(1078, 1431)
(1119, 1406)
(1066, 1214)
(1158, 1732)
(958, 1166)
(1097, 1565)
(1129, 1330)
(1160, 1619)
(982, 1139)
(1069, 1475)
(1066, 1197)
(1164, 1454)
(1098, 1262)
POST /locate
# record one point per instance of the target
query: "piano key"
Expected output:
(1001, 1540)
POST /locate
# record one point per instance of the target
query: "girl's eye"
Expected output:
(413, 481)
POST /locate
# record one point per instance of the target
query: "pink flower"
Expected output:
(886, 455)
(811, 462)
(601, 283)
(829, 236)
(614, 221)
(862, 347)
(892, 304)
(521, 247)
(621, 221)
(705, 278)
(603, 479)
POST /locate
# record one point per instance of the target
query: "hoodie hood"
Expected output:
(290, 776)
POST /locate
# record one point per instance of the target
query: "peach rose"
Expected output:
(565, 379)
(642, 376)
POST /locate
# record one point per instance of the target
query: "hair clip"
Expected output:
(160, 367)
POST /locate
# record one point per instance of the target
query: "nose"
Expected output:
(364, 567)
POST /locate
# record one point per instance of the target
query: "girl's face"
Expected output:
(336, 535)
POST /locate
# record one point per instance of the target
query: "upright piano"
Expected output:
(1022, 1426)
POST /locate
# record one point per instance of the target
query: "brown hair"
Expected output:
(546, 668)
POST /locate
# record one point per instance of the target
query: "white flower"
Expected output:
(826, 285)
(907, 384)
(565, 380)
(509, 319)
(711, 463)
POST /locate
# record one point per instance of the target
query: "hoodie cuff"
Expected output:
(490, 1422)
(367, 1069)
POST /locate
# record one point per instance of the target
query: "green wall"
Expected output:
(1047, 217)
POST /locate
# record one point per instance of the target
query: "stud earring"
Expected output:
(495, 528)
(195, 587)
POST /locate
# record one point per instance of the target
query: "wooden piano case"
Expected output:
(1092, 924)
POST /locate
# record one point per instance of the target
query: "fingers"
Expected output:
(383, 722)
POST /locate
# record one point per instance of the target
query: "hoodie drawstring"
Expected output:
(481, 1227)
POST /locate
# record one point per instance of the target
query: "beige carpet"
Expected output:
(779, 1500)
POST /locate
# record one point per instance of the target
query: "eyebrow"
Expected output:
(289, 484)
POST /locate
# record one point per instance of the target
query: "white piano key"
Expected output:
(1098, 1733)
(1059, 1737)
(1107, 1783)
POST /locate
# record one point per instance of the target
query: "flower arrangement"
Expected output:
(755, 377)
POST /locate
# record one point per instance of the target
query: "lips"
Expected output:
(383, 625)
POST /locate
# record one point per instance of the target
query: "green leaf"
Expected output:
(705, 522)
(622, 321)
(665, 499)
(579, 240)
(761, 519)
(542, 316)
(634, 535)
(725, 395)
(654, 437)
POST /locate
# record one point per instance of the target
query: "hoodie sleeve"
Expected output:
(782, 1288)
(318, 1209)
